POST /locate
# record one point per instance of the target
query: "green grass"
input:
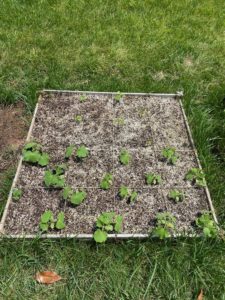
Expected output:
(151, 46)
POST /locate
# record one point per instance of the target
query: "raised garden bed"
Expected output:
(125, 136)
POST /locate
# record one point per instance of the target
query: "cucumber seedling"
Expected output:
(165, 225)
(82, 152)
(107, 222)
(106, 181)
(16, 194)
(153, 179)
(69, 151)
(55, 178)
(32, 153)
(47, 221)
(169, 155)
(206, 223)
(78, 118)
(176, 195)
(74, 197)
(128, 194)
(196, 176)
(125, 157)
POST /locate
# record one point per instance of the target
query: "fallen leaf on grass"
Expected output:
(47, 277)
(200, 295)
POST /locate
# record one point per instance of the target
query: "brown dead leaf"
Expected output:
(200, 295)
(47, 277)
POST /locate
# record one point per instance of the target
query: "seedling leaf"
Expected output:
(69, 151)
(47, 216)
(60, 221)
(16, 194)
(206, 223)
(118, 97)
(32, 157)
(169, 154)
(83, 98)
(118, 224)
(133, 196)
(176, 195)
(196, 176)
(153, 179)
(67, 192)
(44, 160)
(78, 197)
(82, 152)
(106, 182)
(125, 157)
(100, 236)
(124, 192)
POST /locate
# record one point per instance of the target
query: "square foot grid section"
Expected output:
(142, 125)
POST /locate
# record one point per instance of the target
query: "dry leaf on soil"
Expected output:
(200, 296)
(47, 277)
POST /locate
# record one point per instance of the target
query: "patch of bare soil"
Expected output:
(13, 128)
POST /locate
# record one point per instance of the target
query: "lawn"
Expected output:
(135, 46)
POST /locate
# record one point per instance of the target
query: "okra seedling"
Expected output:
(176, 195)
(125, 157)
(107, 222)
(196, 176)
(169, 155)
(16, 194)
(206, 223)
(126, 193)
(55, 178)
(153, 179)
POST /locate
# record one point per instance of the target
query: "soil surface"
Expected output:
(143, 126)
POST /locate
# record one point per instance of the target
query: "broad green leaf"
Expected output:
(67, 192)
(44, 226)
(153, 179)
(124, 192)
(106, 181)
(118, 97)
(109, 228)
(69, 151)
(32, 146)
(32, 157)
(53, 180)
(44, 160)
(78, 197)
(133, 196)
(60, 224)
(161, 232)
(100, 236)
(46, 216)
(82, 152)
(118, 223)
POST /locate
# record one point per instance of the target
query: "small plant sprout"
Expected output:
(48, 222)
(118, 97)
(196, 176)
(69, 151)
(165, 224)
(82, 152)
(75, 198)
(153, 179)
(148, 142)
(176, 195)
(55, 178)
(120, 121)
(125, 157)
(206, 223)
(83, 98)
(16, 194)
(126, 193)
(107, 222)
(78, 118)
(32, 153)
(170, 156)
(106, 182)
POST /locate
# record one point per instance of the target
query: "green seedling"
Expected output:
(106, 182)
(69, 151)
(107, 222)
(48, 222)
(165, 224)
(75, 198)
(16, 194)
(196, 176)
(78, 118)
(142, 112)
(170, 156)
(206, 223)
(82, 152)
(153, 179)
(33, 154)
(55, 178)
(176, 195)
(126, 193)
(83, 98)
(148, 142)
(125, 157)
(119, 121)
(118, 97)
